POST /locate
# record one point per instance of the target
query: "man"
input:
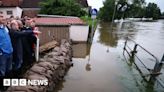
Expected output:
(16, 39)
(28, 43)
(6, 50)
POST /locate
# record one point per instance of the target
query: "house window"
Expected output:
(9, 12)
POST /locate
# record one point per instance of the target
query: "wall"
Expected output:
(79, 33)
(15, 10)
(53, 32)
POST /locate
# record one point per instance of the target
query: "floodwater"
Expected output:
(102, 67)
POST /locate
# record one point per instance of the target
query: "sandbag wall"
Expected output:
(52, 67)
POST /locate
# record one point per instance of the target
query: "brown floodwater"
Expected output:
(102, 67)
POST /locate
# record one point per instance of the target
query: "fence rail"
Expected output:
(158, 64)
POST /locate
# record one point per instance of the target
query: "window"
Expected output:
(9, 12)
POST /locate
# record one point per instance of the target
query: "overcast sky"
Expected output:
(99, 3)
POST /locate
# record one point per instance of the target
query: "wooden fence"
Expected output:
(53, 32)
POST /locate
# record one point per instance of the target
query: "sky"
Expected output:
(99, 3)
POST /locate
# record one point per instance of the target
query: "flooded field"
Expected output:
(102, 67)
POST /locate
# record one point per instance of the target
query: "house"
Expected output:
(10, 8)
(30, 7)
(58, 28)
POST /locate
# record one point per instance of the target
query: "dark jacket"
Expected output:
(16, 39)
(28, 51)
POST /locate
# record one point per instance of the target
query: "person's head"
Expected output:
(2, 21)
(27, 22)
(14, 25)
(17, 18)
(25, 17)
(32, 23)
(8, 22)
(20, 24)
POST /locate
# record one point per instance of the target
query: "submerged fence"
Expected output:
(132, 53)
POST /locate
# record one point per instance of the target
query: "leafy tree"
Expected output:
(106, 12)
(162, 14)
(133, 9)
(61, 7)
(152, 11)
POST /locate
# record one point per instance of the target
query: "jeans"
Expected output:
(5, 64)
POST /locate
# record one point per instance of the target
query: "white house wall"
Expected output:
(79, 33)
(15, 10)
(19, 12)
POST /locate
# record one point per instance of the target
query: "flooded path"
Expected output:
(102, 67)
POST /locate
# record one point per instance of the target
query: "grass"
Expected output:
(89, 20)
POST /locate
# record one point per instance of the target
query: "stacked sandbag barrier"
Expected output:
(51, 67)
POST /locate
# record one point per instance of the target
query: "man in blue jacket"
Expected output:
(6, 50)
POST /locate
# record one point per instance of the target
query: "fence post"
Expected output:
(134, 50)
(92, 31)
(158, 66)
(125, 44)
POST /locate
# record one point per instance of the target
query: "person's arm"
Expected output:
(33, 37)
(21, 33)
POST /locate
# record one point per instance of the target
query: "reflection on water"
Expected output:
(95, 70)
(81, 50)
(106, 36)
(88, 67)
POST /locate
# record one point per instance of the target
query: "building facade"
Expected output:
(10, 8)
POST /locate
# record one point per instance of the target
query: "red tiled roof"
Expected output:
(10, 3)
(59, 21)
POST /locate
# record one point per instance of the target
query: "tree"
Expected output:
(106, 12)
(152, 11)
(61, 7)
(133, 9)
(162, 14)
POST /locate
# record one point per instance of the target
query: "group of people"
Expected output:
(17, 44)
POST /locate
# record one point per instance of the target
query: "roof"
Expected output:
(59, 21)
(31, 3)
(55, 16)
(9, 3)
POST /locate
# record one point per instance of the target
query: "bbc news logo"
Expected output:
(24, 82)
